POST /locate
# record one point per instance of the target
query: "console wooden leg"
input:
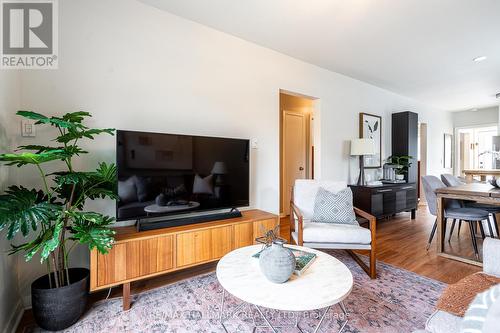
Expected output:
(126, 296)
(413, 213)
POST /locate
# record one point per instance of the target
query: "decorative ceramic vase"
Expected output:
(277, 262)
(161, 200)
(400, 177)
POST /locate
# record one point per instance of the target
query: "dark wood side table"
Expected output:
(387, 199)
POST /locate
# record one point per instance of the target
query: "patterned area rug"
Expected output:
(397, 301)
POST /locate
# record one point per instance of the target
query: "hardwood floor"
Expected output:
(400, 241)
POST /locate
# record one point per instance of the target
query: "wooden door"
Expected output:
(294, 154)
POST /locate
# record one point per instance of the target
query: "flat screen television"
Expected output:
(175, 175)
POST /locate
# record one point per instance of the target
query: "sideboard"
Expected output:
(387, 199)
(139, 255)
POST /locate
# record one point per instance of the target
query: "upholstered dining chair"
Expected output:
(451, 180)
(305, 232)
(453, 210)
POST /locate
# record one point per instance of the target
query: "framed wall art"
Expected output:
(370, 127)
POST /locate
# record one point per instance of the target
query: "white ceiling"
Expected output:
(422, 49)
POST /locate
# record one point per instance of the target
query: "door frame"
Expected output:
(312, 144)
(456, 132)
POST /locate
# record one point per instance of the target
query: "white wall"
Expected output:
(136, 67)
(486, 116)
(10, 303)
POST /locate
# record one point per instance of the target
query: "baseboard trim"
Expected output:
(15, 318)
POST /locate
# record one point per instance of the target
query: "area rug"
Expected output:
(397, 301)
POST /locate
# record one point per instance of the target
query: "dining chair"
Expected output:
(451, 180)
(453, 210)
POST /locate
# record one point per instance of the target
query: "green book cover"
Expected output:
(303, 260)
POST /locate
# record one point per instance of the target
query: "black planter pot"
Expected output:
(58, 308)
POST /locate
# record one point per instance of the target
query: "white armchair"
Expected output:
(329, 235)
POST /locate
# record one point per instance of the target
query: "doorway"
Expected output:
(296, 144)
(474, 147)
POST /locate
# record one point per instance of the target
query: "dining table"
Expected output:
(478, 192)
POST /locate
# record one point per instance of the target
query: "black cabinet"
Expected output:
(405, 140)
(387, 199)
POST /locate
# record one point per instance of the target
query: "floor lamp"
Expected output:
(361, 148)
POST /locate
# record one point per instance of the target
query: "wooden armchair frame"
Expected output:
(372, 221)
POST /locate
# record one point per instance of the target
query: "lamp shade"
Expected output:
(361, 147)
(219, 168)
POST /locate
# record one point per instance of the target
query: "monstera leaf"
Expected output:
(46, 243)
(75, 134)
(76, 117)
(69, 150)
(41, 119)
(87, 185)
(102, 182)
(21, 159)
(93, 229)
(22, 209)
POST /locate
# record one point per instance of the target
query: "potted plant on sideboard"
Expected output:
(54, 218)
(403, 162)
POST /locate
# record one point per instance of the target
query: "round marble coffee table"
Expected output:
(325, 283)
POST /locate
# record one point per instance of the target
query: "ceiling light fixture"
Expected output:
(479, 59)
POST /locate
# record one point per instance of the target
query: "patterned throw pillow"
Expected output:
(334, 207)
(483, 314)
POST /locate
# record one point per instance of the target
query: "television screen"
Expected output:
(170, 174)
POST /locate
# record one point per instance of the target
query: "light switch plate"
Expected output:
(28, 128)
(254, 143)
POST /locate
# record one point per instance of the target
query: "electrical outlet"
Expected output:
(28, 128)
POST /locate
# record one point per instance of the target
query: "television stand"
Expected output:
(176, 221)
(141, 255)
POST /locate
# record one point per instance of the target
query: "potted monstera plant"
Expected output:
(403, 163)
(52, 219)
